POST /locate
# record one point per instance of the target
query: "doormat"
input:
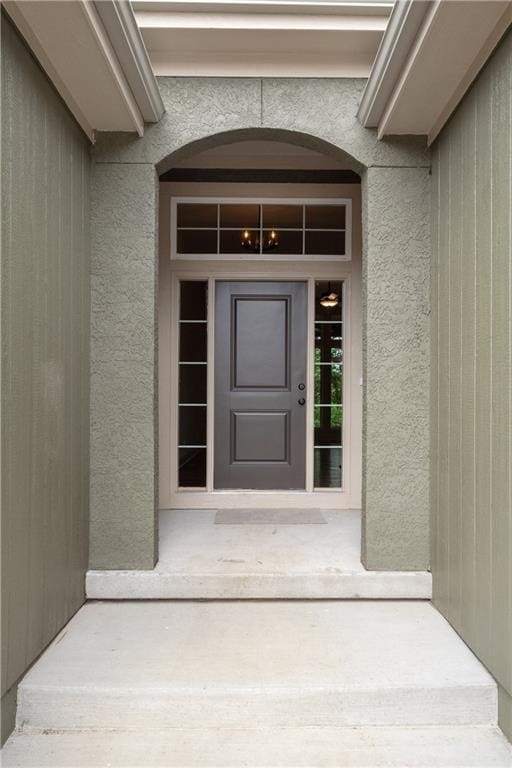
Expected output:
(269, 517)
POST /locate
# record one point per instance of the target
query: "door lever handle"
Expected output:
(301, 401)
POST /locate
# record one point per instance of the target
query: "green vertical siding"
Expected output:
(45, 354)
(472, 367)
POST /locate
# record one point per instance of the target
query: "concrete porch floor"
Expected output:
(200, 559)
(268, 684)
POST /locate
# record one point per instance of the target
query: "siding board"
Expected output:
(471, 455)
(443, 352)
(500, 511)
(45, 354)
(434, 368)
(454, 393)
(468, 358)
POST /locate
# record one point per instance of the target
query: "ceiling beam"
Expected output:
(122, 28)
(502, 24)
(396, 44)
(107, 51)
(262, 39)
(429, 56)
(288, 7)
(29, 33)
(102, 71)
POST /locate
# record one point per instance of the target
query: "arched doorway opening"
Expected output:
(249, 224)
(395, 323)
(257, 210)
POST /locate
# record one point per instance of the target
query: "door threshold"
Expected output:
(263, 499)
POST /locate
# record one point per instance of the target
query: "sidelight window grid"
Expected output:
(192, 387)
(328, 392)
(315, 449)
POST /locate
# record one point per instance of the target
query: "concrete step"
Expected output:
(393, 747)
(200, 559)
(157, 665)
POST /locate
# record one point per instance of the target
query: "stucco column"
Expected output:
(396, 359)
(124, 415)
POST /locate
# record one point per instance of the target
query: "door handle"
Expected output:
(301, 401)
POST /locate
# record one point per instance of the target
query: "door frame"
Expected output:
(281, 402)
(195, 498)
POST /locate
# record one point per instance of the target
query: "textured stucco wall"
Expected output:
(45, 363)
(396, 368)
(472, 371)
(123, 366)
(322, 110)
(321, 115)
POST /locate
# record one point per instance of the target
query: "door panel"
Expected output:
(260, 437)
(260, 365)
(260, 360)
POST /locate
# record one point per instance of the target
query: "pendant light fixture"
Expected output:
(251, 242)
(329, 299)
(272, 240)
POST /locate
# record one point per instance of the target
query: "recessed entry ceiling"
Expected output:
(260, 162)
(261, 154)
(262, 38)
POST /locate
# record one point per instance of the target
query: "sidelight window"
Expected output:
(252, 229)
(192, 383)
(328, 379)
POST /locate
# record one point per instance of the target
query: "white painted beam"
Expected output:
(487, 48)
(260, 64)
(398, 39)
(72, 45)
(419, 46)
(122, 28)
(171, 20)
(334, 7)
(236, 40)
(113, 65)
(14, 10)
(430, 54)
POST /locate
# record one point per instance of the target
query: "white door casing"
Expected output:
(172, 271)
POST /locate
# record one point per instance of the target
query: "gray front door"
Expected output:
(260, 377)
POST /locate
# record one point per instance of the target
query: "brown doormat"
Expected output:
(269, 517)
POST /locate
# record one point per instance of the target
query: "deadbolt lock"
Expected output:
(302, 386)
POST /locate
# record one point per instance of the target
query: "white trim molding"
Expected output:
(400, 34)
(324, 7)
(302, 202)
(101, 71)
(429, 55)
(171, 270)
(345, 497)
(119, 21)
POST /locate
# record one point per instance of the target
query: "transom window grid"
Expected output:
(278, 228)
